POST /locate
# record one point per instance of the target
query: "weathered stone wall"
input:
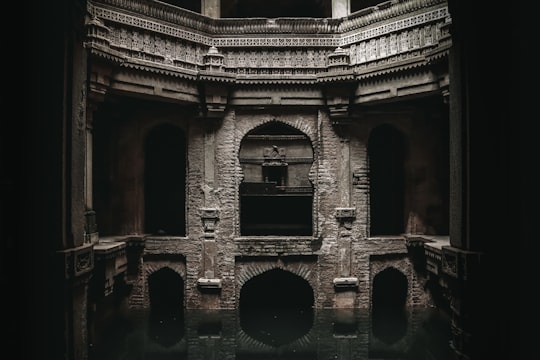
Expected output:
(341, 248)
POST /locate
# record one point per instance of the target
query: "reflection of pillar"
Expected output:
(211, 8)
(340, 8)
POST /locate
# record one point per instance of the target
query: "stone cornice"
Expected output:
(164, 40)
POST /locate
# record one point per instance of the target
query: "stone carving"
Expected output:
(179, 45)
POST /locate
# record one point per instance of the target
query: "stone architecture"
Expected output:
(204, 144)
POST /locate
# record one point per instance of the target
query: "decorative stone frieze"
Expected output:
(364, 42)
(77, 261)
(458, 263)
(274, 246)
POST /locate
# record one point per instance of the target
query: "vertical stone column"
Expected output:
(91, 233)
(211, 8)
(340, 8)
(344, 284)
(209, 284)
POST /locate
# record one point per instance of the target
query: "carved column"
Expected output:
(340, 8)
(211, 8)
(344, 283)
(338, 94)
(209, 284)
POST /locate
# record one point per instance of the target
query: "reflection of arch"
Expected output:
(387, 152)
(276, 194)
(166, 319)
(165, 180)
(276, 307)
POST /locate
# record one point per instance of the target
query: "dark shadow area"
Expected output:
(357, 5)
(166, 319)
(276, 307)
(389, 318)
(387, 152)
(165, 181)
(274, 215)
(166, 328)
(276, 8)
(166, 291)
(431, 340)
(193, 5)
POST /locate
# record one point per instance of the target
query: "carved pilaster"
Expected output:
(210, 217)
(341, 76)
(209, 282)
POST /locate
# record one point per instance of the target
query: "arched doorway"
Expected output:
(276, 307)
(387, 152)
(165, 181)
(166, 319)
(276, 195)
(389, 298)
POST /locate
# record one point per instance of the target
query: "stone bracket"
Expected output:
(346, 283)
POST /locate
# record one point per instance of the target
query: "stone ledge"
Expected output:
(346, 283)
(209, 284)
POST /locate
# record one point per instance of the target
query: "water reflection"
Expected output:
(276, 326)
(278, 334)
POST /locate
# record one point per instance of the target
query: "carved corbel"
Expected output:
(339, 88)
(346, 216)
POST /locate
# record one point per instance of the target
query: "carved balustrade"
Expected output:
(155, 37)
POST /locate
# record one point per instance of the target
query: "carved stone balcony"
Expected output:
(183, 47)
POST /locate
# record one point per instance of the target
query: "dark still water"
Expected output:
(273, 334)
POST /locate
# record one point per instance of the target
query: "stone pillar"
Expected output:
(209, 284)
(340, 8)
(77, 264)
(91, 233)
(344, 284)
(211, 8)
(344, 175)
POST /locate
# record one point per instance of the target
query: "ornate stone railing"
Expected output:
(154, 34)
